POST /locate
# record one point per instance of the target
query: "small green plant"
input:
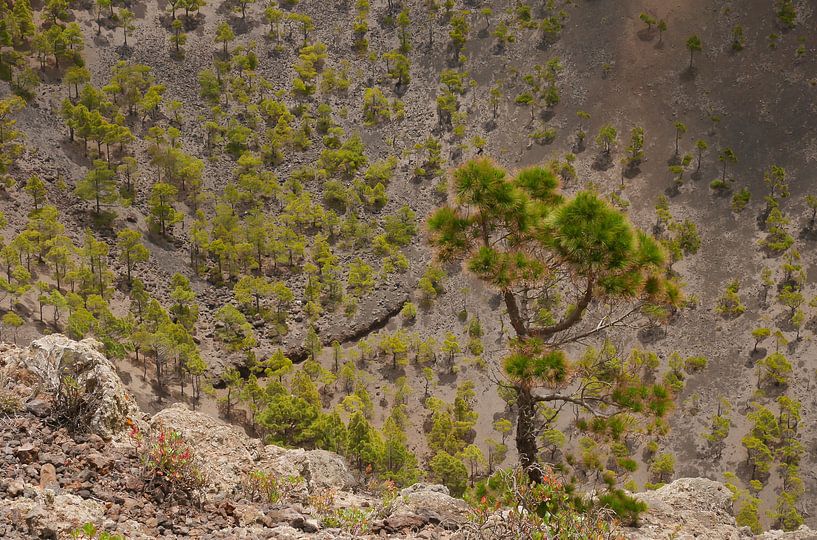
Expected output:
(738, 40)
(663, 466)
(322, 501)
(740, 199)
(647, 19)
(695, 363)
(778, 238)
(10, 403)
(475, 346)
(730, 305)
(544, 135)
(759, 334)
(73, 407)
(354, 521)
(89, 532)
(786, 13)
(746, 505)
(624, 506)
(719, 186)
(431, 284)
(775, 369)
(694, 45)
(409, 311)
(800, 51)
(263, 486)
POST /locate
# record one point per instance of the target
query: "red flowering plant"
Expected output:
(509, 505)
(168, 462)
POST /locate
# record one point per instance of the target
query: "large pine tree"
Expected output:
(568, 270)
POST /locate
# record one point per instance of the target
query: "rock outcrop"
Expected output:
(433, 504)
(228, 455)
(803, 533)
(697, 508)
(688, 508)
(106, 404)
(46, 515)
(225, 453)
(319, 469)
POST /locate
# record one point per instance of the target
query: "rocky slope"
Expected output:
(697, 508)
(55, 480)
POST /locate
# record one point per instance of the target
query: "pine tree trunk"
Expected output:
(526, 435)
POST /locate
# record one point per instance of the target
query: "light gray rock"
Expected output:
(51, 516)
(688, 508)
(54, 358)
(697, 508)
(432, 503)
(422, 486)
(803, 533)
(224, 453)
(311, 526)
(227, 455)
(320, 469)
(286, 515)
(15, 488)
(407, 521)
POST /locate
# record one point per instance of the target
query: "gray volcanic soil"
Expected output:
(615, 71)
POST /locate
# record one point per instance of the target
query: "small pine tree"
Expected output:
(99, 185)
(163, 215)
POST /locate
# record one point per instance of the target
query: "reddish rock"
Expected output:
(48, 477)
(100, 462)
(134, 483)
(27, 453)
(404, 521)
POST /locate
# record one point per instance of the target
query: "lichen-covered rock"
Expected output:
(803, 533)
(320, 469)
(697, 508)
(225, 453)
(50, 516)
(52, 359)
(688, 508)
(433, 503)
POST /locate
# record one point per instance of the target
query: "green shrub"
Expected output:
(741, 199)
(409, 311)
(730, 305)
(718, 185)
(354, 521)
(10, 403)
(544, 135)
(695, 363)
(626, 507)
